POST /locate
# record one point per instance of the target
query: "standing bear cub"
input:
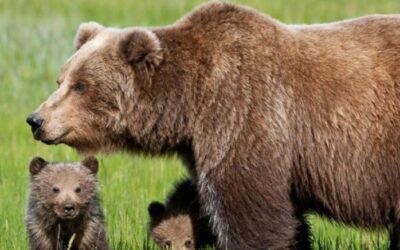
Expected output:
(179, 224)
(63, 208)
(272, 120)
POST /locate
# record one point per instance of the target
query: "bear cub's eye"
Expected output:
(79, 87)
(188, 244)
(77, 190)
(56, 190)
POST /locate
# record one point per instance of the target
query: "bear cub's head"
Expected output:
(171, 231)
(63, 189)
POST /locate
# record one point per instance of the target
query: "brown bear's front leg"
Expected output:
(38, 239)
(303, 235)
(251, 208)
(95, 237)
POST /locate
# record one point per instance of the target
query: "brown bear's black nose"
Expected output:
(69, 208)
(34, 121)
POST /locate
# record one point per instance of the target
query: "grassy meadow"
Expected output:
(36, 37)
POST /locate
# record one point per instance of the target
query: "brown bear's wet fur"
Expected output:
(179, 223)
(272, 120)
(63, 206)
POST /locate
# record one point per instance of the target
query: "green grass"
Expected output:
(35, 39)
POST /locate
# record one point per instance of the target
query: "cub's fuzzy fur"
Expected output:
(179, 224)
(63, 207)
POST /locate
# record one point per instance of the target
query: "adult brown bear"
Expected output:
(272, 120)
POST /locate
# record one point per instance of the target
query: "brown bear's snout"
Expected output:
(69, 210)
(35, 121)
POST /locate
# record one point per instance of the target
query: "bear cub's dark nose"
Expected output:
(34, 121)
(69, 208)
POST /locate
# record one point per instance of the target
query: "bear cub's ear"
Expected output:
(156, 210)
(141, 47)
(86, 32)
(36, 165)
(91, 163)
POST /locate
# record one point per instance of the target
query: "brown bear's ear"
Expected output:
(141, 47)
(91, 163)
(86, 32)
(156, 210)
(36, 165)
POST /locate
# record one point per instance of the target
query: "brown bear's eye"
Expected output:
(56, 190)
(77, 190)
(79, 87)
(188, 244)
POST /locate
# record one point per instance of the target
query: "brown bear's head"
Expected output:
(64, 189)
(99, 89)
(171, 231)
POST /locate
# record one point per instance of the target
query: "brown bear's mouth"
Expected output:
(51, 141)
(37, 134)
(68, 216)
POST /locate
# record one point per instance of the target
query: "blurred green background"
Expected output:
(36, 37)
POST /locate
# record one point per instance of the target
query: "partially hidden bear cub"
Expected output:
(63, 207)
(179, 224)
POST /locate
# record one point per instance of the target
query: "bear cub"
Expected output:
(63, 206)
(179, 224)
